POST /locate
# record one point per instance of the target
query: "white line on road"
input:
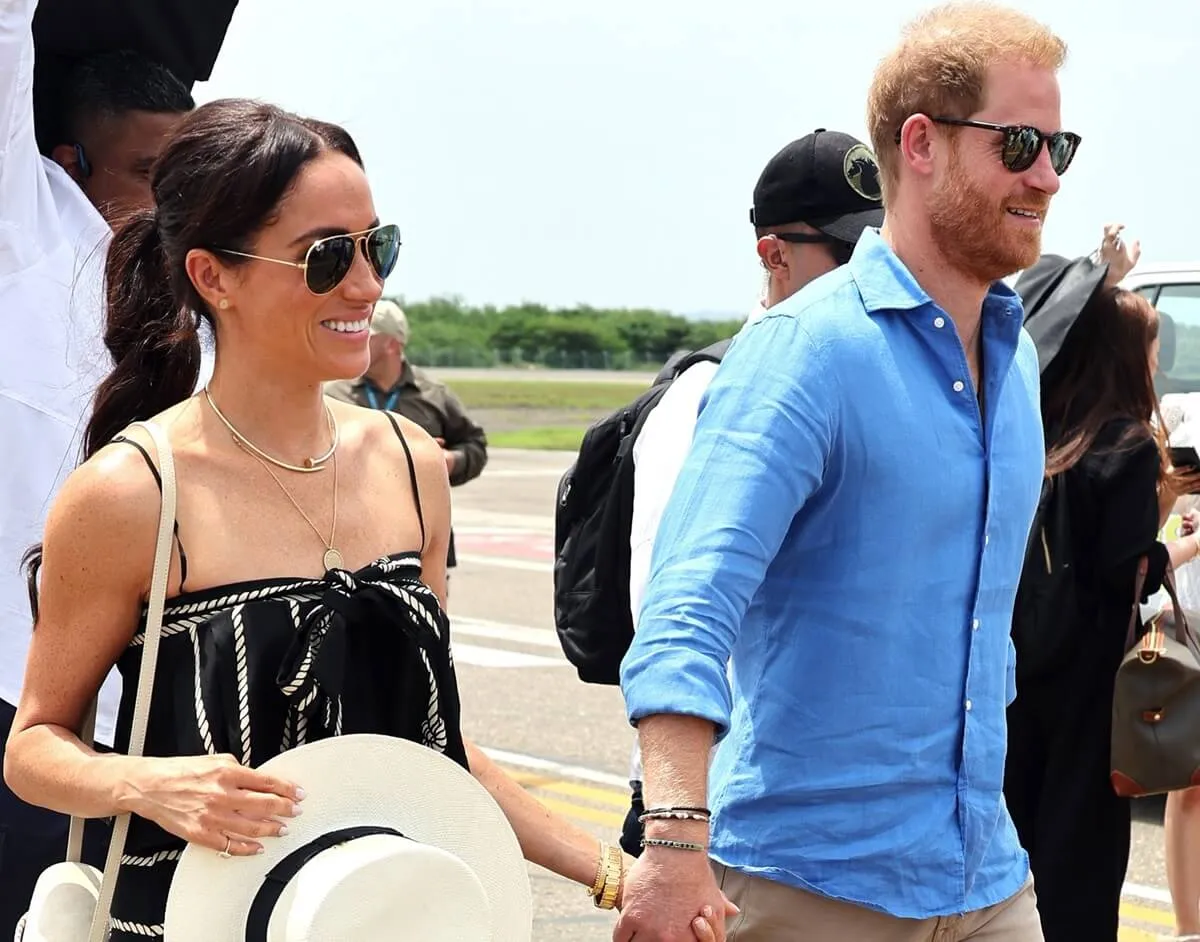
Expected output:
(506, 562)
(519, 634)
(1153, 894)
(480, 656)
(558, 768)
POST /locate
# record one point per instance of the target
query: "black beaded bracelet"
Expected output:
(676, 845)
(677, 814)
(683, 808)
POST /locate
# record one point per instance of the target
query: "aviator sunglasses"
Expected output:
(1023, 143)
(329, 260)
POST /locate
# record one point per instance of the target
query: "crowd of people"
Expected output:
(840, 723)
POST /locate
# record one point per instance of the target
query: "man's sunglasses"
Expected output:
(329, 260)
(841, 251)
(1023, 143)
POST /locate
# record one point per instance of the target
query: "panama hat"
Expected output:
(395, 842)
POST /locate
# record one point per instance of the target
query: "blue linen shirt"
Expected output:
(850, 529)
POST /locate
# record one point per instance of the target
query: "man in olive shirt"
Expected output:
(394, 384)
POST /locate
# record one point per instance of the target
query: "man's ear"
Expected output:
(73, 160)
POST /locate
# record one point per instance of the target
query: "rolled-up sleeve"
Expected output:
(765, 431)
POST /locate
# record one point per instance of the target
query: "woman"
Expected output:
(297, 516)
(1107, 457)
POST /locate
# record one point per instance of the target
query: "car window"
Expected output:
(1181, 303)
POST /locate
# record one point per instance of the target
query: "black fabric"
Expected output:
(1056, 784)
(826, 179)
(632, 831)
(593, 515)
(258, 919)
(1054, 292)
(230, 680)
(32, 839)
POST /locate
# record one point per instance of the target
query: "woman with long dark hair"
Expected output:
(297, 516)
(1106, 457)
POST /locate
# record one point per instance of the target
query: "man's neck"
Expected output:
(958, 294)
(383, 376)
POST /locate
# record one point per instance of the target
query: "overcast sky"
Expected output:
(604, 153)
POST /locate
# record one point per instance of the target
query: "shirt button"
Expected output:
(987, 539)
(968, 706)
(958, 385)
(939, 322)
(975, 625)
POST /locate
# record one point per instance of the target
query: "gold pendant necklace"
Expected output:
(310, 464)
(333, 557)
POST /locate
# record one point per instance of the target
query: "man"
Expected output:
(849, 528)
(54, 227)
(394, 384)
(811, 203)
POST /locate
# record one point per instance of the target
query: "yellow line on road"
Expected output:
(603, 796)
(1156, 917)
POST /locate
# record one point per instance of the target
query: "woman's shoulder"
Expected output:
(1123, 446)
(371, 429)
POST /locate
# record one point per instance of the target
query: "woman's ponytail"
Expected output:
(153, 341)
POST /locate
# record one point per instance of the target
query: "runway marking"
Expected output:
(505, 562)
(480, 656)
(519, 634)
(578, 801)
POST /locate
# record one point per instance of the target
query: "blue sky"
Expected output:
(604, 154)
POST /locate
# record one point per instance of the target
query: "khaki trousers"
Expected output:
(775, 912)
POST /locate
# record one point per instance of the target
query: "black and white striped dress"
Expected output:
(256, 668)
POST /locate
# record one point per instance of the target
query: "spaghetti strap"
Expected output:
(158, 479)
(412, 473)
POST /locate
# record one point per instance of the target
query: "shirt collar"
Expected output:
(884, 283)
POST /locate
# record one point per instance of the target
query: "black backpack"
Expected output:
(1048, 593)
(592, 520)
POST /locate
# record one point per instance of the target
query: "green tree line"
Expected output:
(446, 332)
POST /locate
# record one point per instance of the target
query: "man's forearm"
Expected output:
(675, 756)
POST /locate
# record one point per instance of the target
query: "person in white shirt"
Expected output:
(56, 210)
(811, 203)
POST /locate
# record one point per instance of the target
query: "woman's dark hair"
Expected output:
(1103, 373)
(219, 179)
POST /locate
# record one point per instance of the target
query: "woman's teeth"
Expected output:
(347, 327)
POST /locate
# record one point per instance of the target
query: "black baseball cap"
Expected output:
(827, 180)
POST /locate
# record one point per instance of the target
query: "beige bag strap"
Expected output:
(141, 710)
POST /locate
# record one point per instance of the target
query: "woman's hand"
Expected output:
(213, 801)
(1120, 255)
(1190, 523)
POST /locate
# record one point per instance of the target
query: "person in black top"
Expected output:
(1106, 457)
(299, 607)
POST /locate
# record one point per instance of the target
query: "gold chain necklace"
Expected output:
(333, 557)
(310, 464)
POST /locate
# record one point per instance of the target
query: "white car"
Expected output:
(1174, 290)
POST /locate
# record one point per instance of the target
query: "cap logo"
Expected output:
(862, 173)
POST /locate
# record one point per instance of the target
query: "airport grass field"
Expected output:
(541, 413)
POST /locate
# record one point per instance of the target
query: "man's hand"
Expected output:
(451, 460)
(667, 896)
(1120, 255)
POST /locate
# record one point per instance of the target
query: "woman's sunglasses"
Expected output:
(329, 260)
(1023, 143)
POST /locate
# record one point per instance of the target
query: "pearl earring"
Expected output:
(223, 304)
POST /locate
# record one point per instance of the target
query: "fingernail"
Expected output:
(260, 850)
(707, 912)
(700, 924)
(301, 794)
(297, 811)
(283, 829)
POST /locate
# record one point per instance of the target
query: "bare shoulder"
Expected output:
(372, 428)
(106, 514)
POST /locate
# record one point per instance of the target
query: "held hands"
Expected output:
(450, 456)
(672, 896)
(213, 801)
(1190, 523)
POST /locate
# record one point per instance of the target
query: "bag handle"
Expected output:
(1185, 635)
(141, 710)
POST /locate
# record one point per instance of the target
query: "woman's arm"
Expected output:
(98, 555)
